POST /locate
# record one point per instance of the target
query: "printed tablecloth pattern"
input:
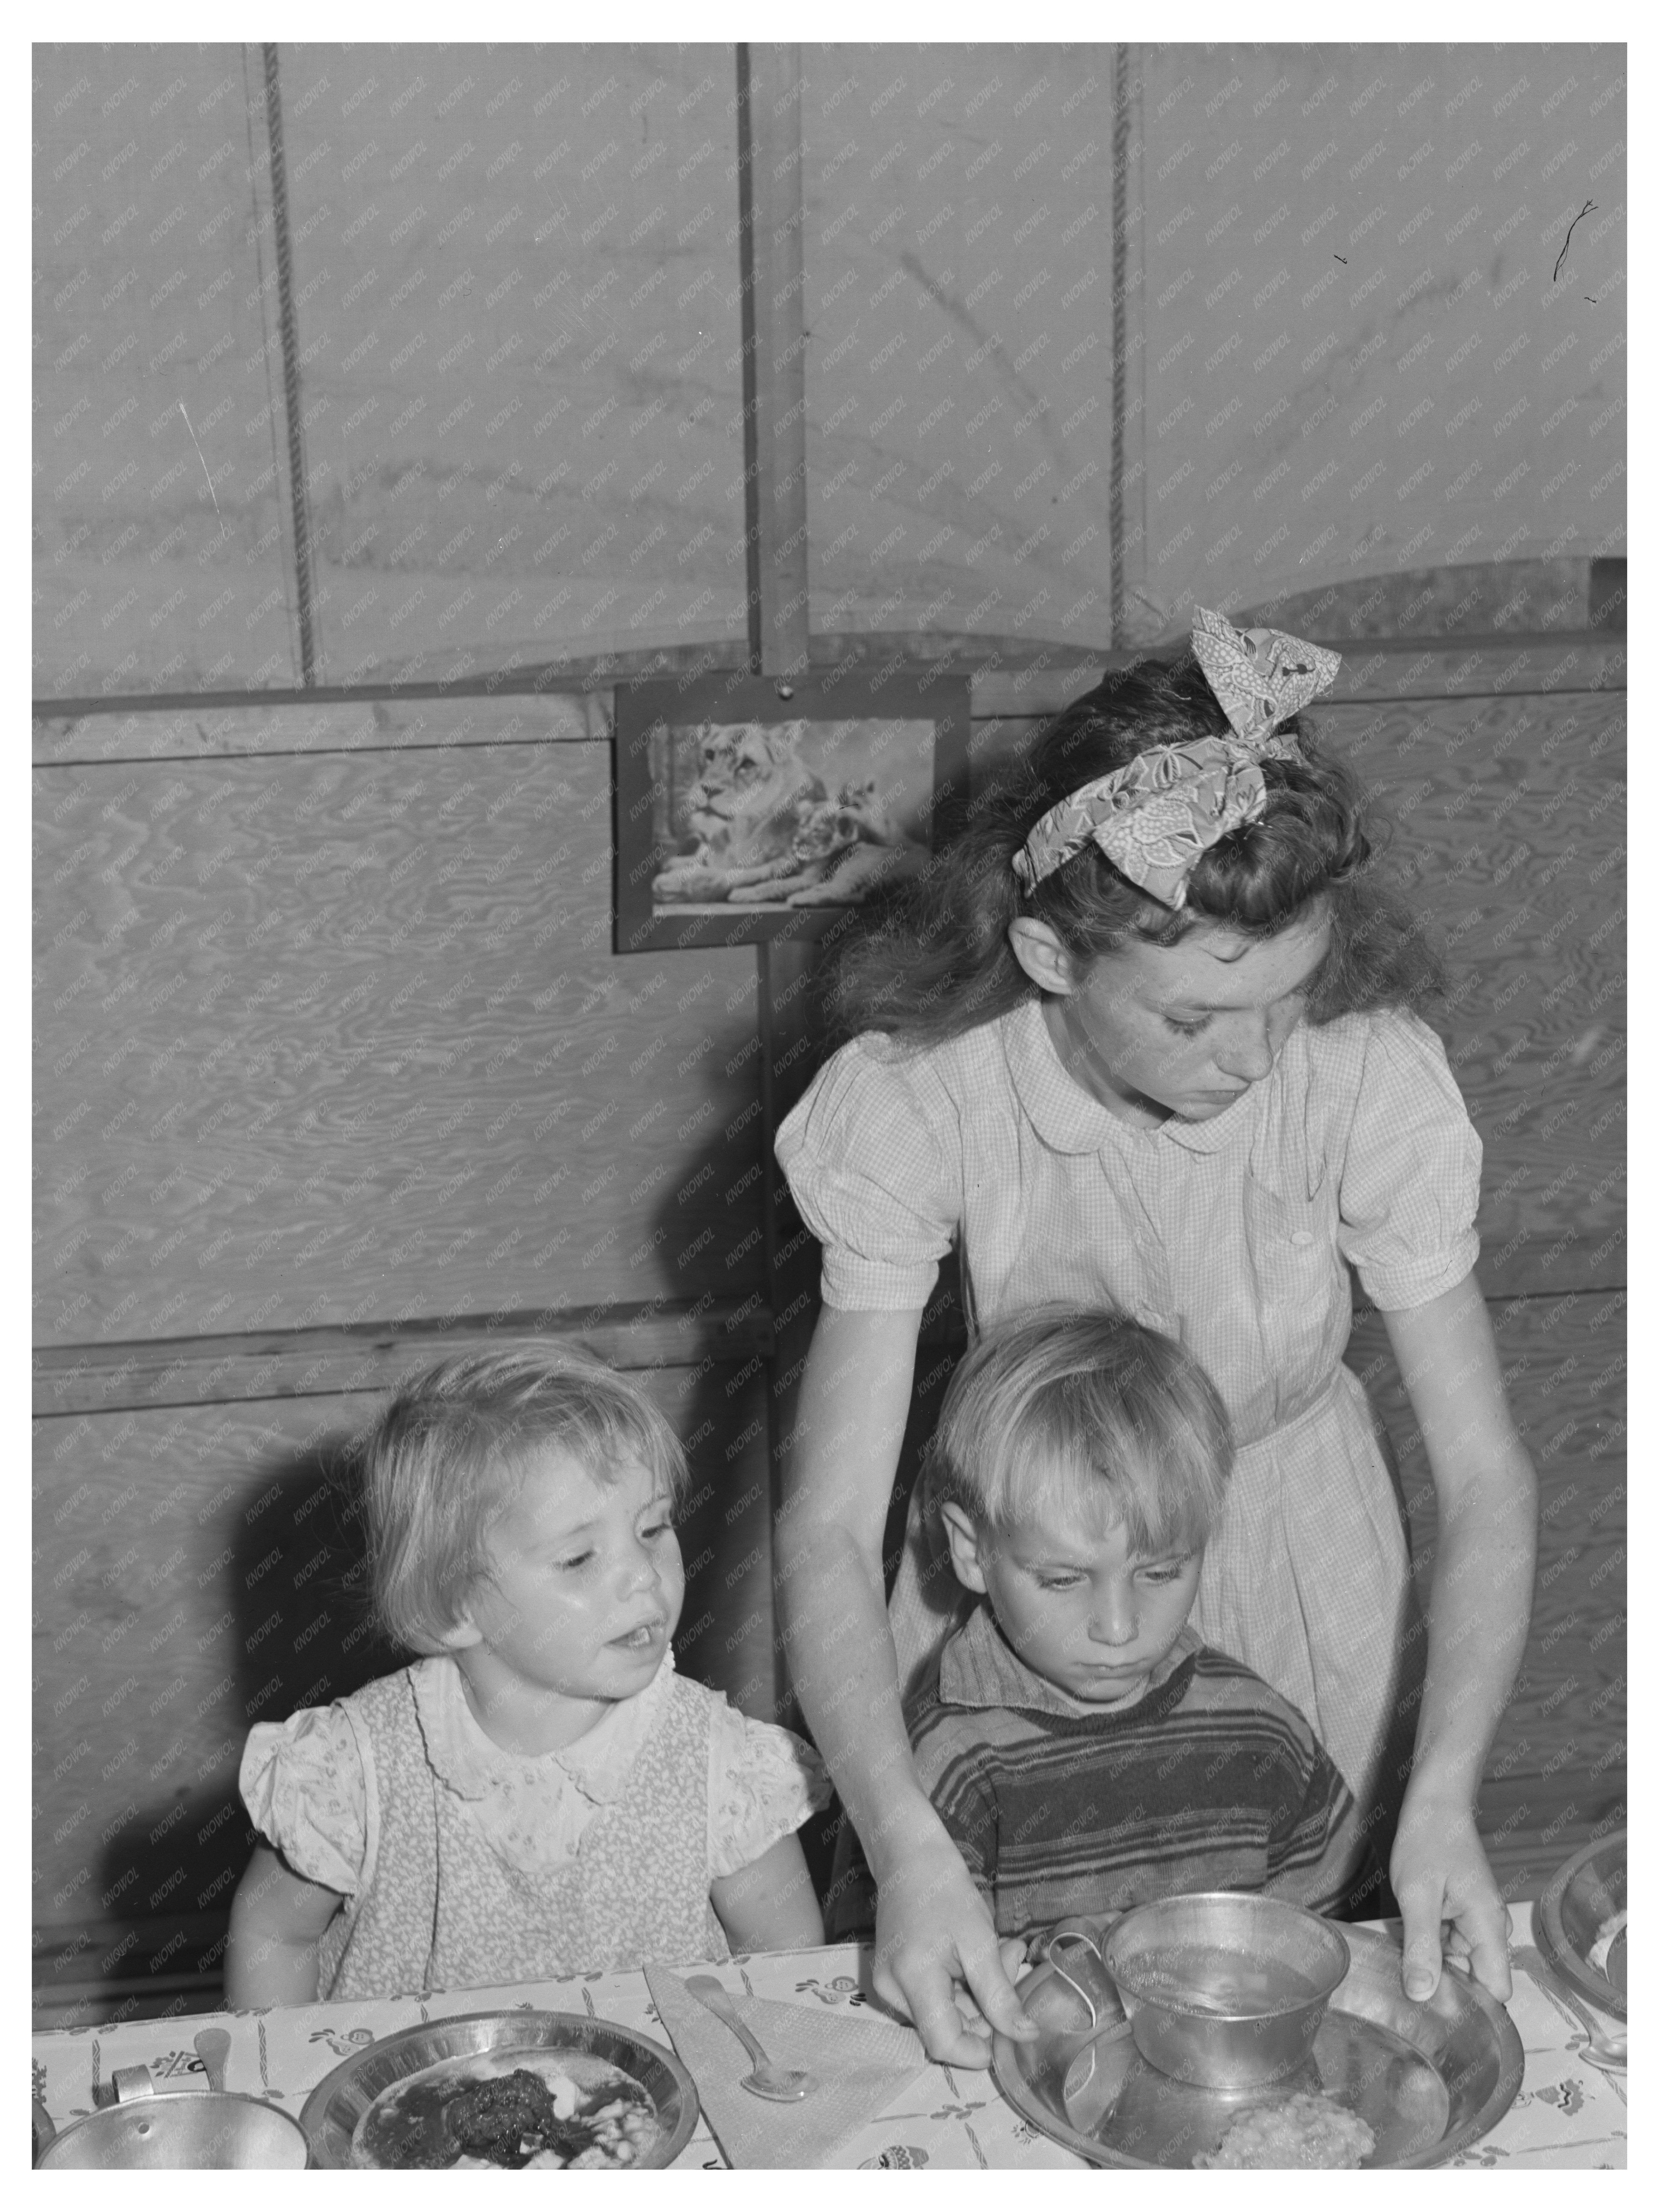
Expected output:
(1568, 2113)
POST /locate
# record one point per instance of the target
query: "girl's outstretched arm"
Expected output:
(277, 1920)
(1479, 1606)
(934, 1934)
(770, 1904)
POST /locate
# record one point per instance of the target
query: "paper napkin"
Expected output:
(860, 2062)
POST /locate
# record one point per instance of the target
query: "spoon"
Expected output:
(780, 2084)
(213, 2048)
(1609, 2052)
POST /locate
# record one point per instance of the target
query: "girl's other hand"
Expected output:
(1442, 1881)
(935, 1938)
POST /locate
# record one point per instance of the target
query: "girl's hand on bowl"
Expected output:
(934, 1941)
(1449, 1902)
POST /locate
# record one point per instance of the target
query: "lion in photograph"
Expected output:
(765, 830)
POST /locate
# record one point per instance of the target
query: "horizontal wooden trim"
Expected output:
(81, 1950)
(596, 671)
(98, 2004)
(1372, 669)
(593, 673)
(1009, 677)
(943, 1329)
(372, 1356)
(77, 734)
(90, 1971)
(300, 726)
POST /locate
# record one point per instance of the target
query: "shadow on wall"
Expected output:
(287, 1554)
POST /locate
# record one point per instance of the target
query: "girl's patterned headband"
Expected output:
(1154, 817)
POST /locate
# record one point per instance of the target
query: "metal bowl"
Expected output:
(1582, 1896)
(1223, 1990)
(340, 2099)
(221, 2132)
(1428, 2078)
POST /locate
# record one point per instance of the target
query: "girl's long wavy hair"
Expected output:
(935, 961)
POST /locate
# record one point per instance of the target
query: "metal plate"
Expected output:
(1428, 2079)
(1581, 1897)
(334, 2107)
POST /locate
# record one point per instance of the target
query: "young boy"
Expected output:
(1085, 1749)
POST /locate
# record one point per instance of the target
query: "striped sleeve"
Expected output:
(954, 1768)
(1317, 1853)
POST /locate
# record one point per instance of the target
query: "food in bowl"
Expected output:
(1606, 1937)
(1303, 2130)
(511, 2109)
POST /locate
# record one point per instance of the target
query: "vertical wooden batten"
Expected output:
(1119, 293)
(310, 644)
(773, 281)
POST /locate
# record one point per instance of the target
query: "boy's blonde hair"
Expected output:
(446, 1456)
(1087, 1417)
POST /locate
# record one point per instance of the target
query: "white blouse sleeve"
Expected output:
(1411, 1180)
(302, 1783)
(762, 1783)
(869, 1178)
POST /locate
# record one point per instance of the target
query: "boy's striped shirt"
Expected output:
(1210, 1781)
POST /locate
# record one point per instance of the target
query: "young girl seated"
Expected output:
(539, 1794)
(1085, 1750)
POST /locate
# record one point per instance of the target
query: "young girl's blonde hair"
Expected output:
(445, 1458)
(1087, 1417)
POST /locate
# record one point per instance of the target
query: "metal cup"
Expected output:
(183, 2128)
(1188, 2035)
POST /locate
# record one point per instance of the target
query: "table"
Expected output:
(1567, 2113)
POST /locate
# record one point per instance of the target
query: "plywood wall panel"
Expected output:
(959, 378)
(196, 1571)
(160, 477)
(1511, 817)
(337, 1039)
(1564, 1363)
(522, 380)
(1355, 350)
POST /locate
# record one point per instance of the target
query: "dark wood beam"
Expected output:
(372, 1356)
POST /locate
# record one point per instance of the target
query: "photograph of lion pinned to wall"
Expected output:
(740, 824)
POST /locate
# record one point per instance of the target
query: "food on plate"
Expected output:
(509, 2108)
(1304, 2131)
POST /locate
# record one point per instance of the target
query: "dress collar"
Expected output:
(533, 1810)
(1069, 1119)
(978, 1670)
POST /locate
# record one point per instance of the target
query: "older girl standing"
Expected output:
(1144, 1039)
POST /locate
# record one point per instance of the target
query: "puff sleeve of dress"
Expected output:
(1411, 1177)
(867, 1171)
(762, 1782)
(302, 1783)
